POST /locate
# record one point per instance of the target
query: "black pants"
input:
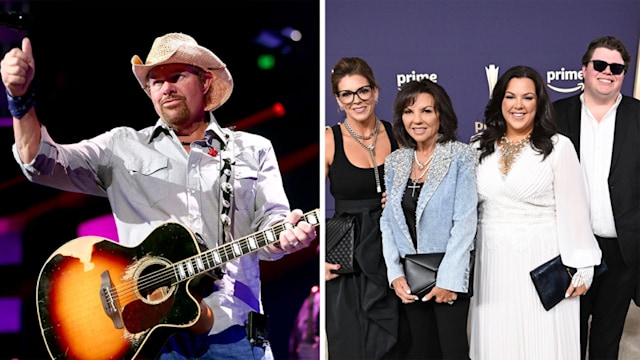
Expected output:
(437, 330)
(607, 303)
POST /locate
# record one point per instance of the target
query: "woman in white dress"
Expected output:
(532, 206)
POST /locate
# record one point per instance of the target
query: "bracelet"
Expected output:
(20, 105)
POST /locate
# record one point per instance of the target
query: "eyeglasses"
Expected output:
(599, 65)
(364, 93)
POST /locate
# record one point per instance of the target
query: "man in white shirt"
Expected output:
(604, 126)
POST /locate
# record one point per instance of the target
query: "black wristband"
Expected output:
(20, 105)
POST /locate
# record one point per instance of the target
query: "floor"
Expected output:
(630, 343)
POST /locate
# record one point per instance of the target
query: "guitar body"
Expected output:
(89, 275)
(97, 299)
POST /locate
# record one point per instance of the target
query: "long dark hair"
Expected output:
(448, 130)
(544, 124)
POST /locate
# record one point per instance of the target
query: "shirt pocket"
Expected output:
(148, 180)
(245, 191)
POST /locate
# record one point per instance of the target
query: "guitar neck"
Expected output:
(211, 259)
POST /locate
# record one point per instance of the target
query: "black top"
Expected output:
(409, 205)
(348, 181)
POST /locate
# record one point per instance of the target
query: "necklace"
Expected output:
(510, 151)
(413, 188)
(358, 136)
(371, 149)
(415, 183)
(421, 166)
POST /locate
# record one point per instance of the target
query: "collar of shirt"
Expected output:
(213, 131)
(615, 105)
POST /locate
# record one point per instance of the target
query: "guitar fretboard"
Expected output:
(213, 258)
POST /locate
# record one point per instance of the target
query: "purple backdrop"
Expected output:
(452, 42)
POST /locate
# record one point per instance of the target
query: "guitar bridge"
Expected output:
(110, 300)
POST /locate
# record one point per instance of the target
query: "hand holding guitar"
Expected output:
(294, 237)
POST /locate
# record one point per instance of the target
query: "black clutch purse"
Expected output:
(421, 271)
(552, 279)
(341, 235)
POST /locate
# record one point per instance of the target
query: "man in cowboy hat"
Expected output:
(218, 182)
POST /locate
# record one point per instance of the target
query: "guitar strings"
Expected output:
(170, 274)
(167, 275)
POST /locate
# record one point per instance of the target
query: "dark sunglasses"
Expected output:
(599, 65)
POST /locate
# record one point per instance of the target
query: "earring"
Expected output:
(341, 108)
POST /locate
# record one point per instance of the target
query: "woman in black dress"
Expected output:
(362, 313)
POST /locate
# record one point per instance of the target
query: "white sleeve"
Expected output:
(578, 246)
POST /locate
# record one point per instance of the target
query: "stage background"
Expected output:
(82, 52)
(454, 41)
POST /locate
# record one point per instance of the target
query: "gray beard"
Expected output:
(176, 116)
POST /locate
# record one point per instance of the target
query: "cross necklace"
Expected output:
(420, 166)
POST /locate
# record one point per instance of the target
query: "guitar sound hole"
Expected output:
(154, 281)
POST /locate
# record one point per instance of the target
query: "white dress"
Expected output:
(532, 214)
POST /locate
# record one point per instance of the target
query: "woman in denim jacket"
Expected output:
(430, 208)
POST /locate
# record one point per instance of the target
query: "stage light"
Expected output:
(269, 39)
(291, 33)
(104, 225)
(10, 314)
(274, 111)
(6, 122)
(16, 20)
(266, 62)
(11, 230)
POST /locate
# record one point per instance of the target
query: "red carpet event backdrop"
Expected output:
(465, 45)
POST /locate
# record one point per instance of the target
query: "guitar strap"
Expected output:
(225, 193)
(227, 177)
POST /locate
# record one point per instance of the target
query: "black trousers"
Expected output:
(606, 304)
(436, 330)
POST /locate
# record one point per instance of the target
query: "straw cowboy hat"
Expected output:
(179, 48)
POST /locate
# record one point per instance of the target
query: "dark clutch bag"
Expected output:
(421, 271)
(341, 235)
(552, 279)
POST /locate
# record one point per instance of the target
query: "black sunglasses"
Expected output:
(599, 65)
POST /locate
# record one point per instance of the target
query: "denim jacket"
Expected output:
(446, 213)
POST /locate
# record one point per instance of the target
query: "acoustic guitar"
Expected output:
(98, 299)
